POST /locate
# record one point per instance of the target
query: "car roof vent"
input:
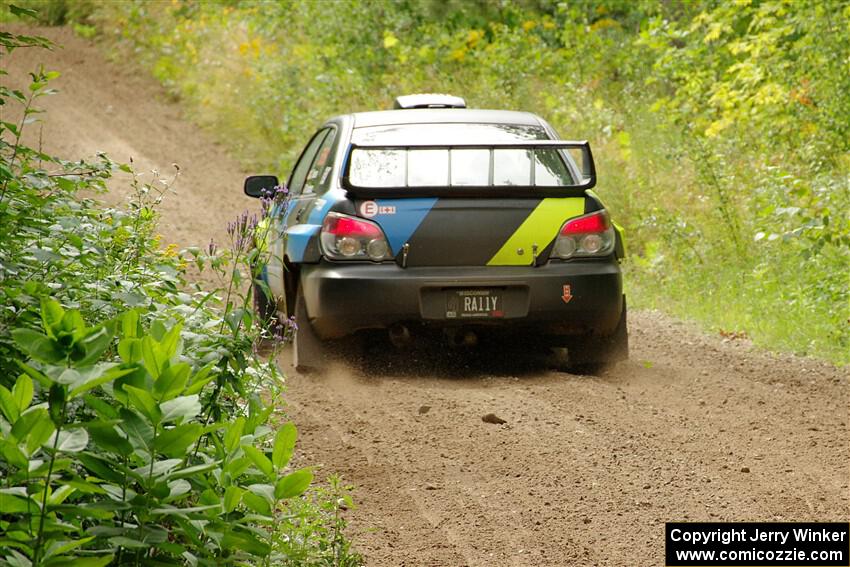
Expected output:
(428, 100)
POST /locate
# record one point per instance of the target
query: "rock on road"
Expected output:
(584, 471)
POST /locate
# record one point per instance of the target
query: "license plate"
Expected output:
(474, 303)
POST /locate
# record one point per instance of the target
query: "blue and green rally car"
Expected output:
(435, 219)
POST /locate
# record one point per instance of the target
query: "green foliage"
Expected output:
(53, 12)
(142, 472)
(132, 425)
(720, 130)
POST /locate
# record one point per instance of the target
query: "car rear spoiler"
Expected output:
(586, 172)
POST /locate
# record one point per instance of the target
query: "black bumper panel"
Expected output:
(344, 298)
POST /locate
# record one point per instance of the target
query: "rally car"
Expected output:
(435, 219)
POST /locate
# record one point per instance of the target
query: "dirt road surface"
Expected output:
(585, 471)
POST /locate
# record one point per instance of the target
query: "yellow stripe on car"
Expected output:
(539, 229)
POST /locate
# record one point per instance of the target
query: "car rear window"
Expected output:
(458, 167)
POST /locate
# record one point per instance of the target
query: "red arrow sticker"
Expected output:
(568, 295)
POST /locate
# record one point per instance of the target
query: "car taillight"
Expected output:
(350, 238)
(588, 235)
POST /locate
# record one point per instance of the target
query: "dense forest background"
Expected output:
(721, 129)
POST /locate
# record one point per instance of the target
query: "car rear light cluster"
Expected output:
(588, 235)
(351, 238)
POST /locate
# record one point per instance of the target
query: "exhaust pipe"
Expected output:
(461, 337)
(400, 336)
(469, 338)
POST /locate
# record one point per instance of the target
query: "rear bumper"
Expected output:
(344, 298)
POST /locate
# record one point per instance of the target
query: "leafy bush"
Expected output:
(720, 129)
(137, 422)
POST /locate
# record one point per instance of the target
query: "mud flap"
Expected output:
(264, 304)
(308, 353)
(595, 352)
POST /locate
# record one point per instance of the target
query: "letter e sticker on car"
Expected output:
(568, 294)
(368, 209)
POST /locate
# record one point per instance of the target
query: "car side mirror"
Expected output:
(260, 185)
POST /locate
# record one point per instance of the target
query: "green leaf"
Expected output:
(144, 402)
(130, 324)
(52, 314)
(194, 470)
(12, 454)
(284, 445)
(60, 494)
(158, 330)
(77, 561)
(257, 503)
(237, 467)
(73, 324)
(39, 468)
(35, 427)
(184, 407)
(138, 431)
(264, 490)
(22, 392)
(130, 350)
(244, 541)
(106, 436)
(96, 376)
(175, 511)
(103, 409)
(293, 484)
(200, 380)
(129, 543)
(258, 413)
(209, 497)
(138, 378)
(172, 381)
(152, 356)
(160, 468)
(260, 460)
(101, 467)
(12, 504)
(232, 497)
(178, 488)
(233, 434)
(94, 345)
(23, 12)
(69, 440)
(8, 405)
(56, 398)
(16, 559)
(69, 377)
(170, 343)
(174, 442)
(35, 374)
(38, 346)
(15, 539)
(84, 487)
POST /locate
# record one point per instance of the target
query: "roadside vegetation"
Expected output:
(138, 424)
(720, 128)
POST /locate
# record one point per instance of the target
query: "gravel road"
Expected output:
(584, 471)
